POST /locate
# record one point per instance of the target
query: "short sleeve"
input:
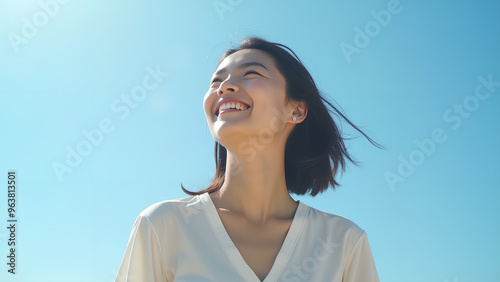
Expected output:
(142, 260)
(360, 266)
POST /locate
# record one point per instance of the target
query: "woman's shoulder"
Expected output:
(330, 222)
(173, 209)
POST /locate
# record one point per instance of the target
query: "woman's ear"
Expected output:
(300, 111)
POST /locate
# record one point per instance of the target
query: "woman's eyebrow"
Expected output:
(244, 65)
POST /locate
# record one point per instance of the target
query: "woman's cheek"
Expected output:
(208, 101)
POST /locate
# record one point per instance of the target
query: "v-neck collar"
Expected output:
(233, 253)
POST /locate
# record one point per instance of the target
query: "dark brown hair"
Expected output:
(312, 143)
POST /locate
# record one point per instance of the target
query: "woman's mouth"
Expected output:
(231, 107)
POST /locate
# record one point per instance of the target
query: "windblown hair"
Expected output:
(312, 143)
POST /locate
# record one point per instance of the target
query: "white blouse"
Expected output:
(185, 240)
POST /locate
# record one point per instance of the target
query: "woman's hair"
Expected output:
(312, 143)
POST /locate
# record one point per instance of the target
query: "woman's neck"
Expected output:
(256, 188)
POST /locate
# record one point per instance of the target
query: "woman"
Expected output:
(274, 136)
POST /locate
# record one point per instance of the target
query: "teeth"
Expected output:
(233, 106)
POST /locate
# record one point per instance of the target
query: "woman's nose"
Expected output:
(227, 86)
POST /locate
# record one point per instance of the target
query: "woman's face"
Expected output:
(248, 77)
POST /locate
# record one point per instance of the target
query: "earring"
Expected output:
(294, 118)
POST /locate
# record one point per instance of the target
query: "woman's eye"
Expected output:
(220, 80)
(251, 72)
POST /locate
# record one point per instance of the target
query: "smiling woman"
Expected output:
(274, 137)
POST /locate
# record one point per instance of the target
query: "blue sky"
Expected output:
(421, 77)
